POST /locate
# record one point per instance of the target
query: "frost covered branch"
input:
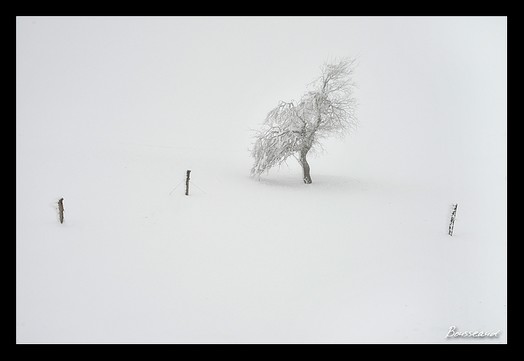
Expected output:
(294, 129)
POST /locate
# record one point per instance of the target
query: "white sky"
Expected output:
(426, 84)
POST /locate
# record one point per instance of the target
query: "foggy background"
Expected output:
(432, 112)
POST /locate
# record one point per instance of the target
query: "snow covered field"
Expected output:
(111, 112)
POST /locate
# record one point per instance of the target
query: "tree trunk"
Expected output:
(305, 166)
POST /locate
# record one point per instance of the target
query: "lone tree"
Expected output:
(293, 129)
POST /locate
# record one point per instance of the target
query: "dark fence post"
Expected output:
(187, 182)
(61, 209)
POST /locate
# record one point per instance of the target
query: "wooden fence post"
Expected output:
(61, 209)
(187, 182)
(452, 220)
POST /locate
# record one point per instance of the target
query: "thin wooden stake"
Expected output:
(452, 220)
(61, 209)
(187, 182)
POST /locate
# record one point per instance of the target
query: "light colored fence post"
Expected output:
(452, 220)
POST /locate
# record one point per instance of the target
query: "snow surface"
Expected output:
(111, 112)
